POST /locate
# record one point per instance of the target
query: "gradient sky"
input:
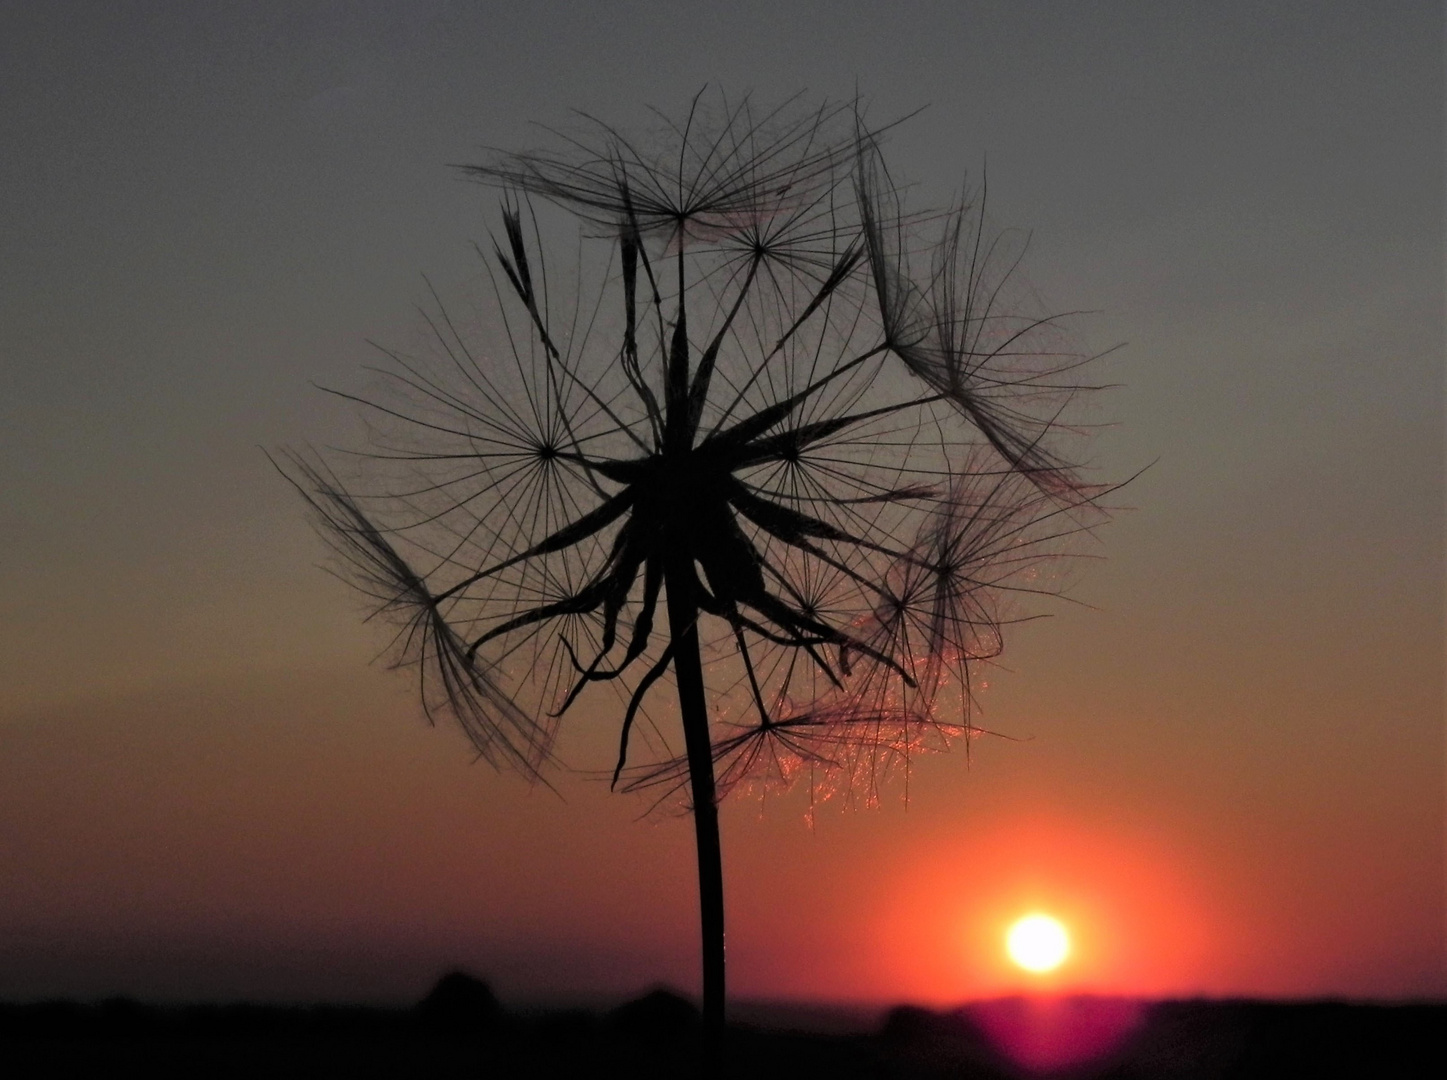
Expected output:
(1230, 779)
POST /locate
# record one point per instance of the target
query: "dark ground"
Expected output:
(460, 1031)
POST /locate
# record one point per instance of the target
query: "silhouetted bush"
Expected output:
(460, 1002)
(658, 1014)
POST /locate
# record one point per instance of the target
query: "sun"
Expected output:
(1038, 943)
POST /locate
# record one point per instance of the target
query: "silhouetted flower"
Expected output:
(750, 407)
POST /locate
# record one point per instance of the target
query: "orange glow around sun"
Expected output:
(1042, 906)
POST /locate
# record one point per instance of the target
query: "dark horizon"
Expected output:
(461, 1025)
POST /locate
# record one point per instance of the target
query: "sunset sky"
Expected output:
(1225, 764)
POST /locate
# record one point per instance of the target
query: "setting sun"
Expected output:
(1038, 943)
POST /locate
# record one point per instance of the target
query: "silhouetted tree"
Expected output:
(819, 431)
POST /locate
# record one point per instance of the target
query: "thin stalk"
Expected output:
(693, 708)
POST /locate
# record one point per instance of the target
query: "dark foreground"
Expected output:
(461, 1032)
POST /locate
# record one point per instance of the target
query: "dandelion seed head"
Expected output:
(766, 383)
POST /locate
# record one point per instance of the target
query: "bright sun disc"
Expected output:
(1038, 943)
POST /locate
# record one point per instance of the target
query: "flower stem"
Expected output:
(693, 708)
